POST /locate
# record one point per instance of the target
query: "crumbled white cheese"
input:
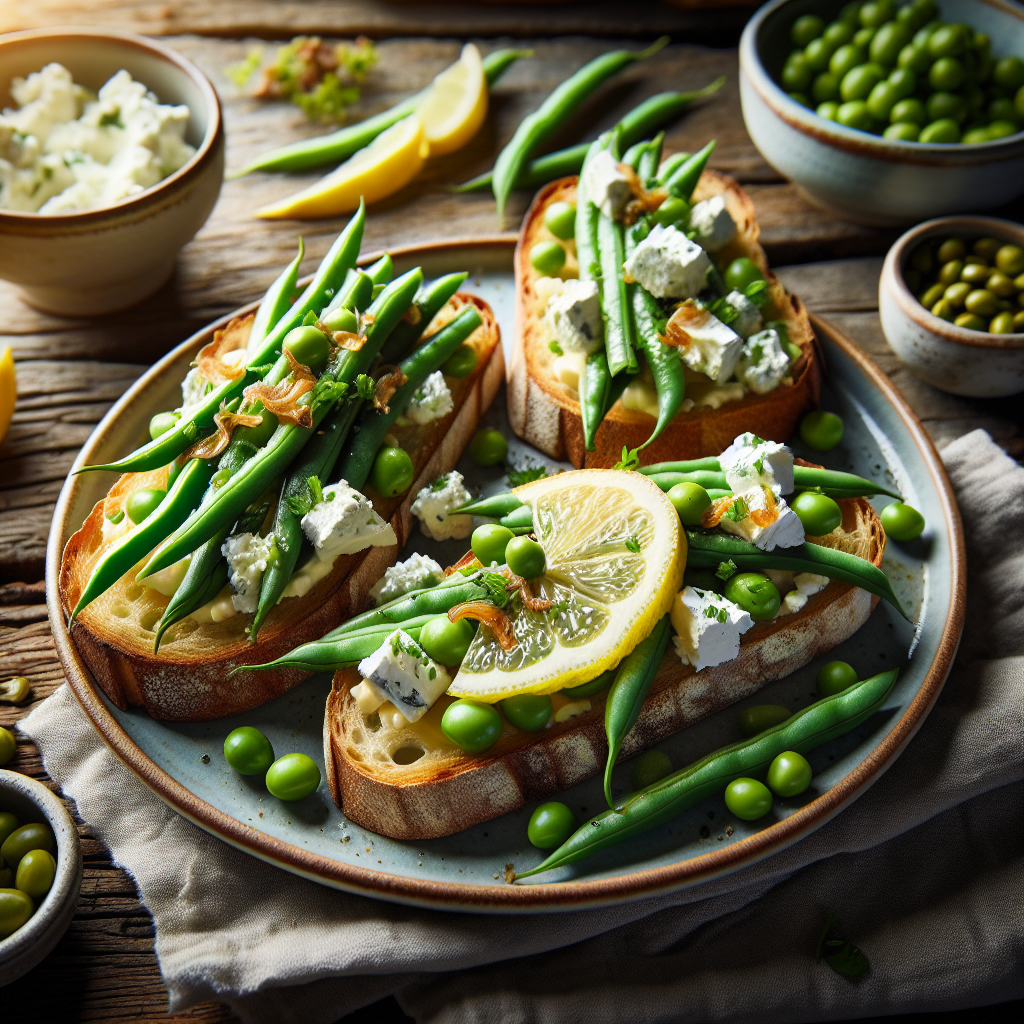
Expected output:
(807, 583)
(547, 287)
(415, 572)
(750, 460)
(763, 362)
(784, 531)
(193, 390)
(436, 500)
(247, 555)
(606, 185)
(431, 400)
(568, 368)
(344, 523)
(574, 314)
(669, 265)
(748, 317)
(708, 627)
(400, 671)
(712, 348)
(713, 223)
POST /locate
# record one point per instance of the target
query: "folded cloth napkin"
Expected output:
(924, 870)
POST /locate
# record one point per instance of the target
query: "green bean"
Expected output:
(629, 691)
(382, 271)
(690, 466)
(429, 301)
(647, 166)
(683, 180)
(328, 279)
(632, 155)
(587, 215)
(276, 302)
(705, 477)
(658, 803)
(340, 145)
(593, 384)
(672, 164)
(206, 577)
(518, 518)
(494, 507)
(615, 389)
(553, 112)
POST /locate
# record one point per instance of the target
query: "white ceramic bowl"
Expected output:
(864, 176)
(23, 949)
(952, 358)
(97, 261)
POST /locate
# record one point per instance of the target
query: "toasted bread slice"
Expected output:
(189, 679)
(545, 413)
(409, 782)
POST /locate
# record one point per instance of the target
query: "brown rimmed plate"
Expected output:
(465, 872)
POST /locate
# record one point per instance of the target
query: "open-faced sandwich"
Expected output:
(265, 506)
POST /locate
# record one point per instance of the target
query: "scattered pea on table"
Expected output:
(248, 751)
(821, 430)
(748, 799)
(530, 712)
(293, 776)
(834, 677)
(488, 447)
(902, 522)
(550, 825)
(525, 557)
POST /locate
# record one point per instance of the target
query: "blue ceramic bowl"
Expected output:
(863, 176)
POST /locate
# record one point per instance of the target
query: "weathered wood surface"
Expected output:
(70, 371)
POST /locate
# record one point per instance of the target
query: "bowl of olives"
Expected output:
(951, 301)
(40, 873)
(889, 111)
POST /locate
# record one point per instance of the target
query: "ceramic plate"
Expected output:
(184, 765)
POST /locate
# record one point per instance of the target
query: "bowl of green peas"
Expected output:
(951, 301)
(40, 873)
(889, 111)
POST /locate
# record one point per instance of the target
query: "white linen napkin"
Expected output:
(924, 870)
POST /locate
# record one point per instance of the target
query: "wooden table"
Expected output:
(71, 371)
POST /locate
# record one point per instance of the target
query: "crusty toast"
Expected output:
(409, 782)
(189, 679)
(546, 414)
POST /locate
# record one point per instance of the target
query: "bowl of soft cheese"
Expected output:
(111, 159)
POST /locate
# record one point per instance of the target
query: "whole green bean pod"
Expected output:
(633, 679)
(357, 462)
(619, 337)
(276, 302)
(428, 302)
(658, 803)
(587, 215)
(519, 518)
(683, 180)
(494, 507)
(632, 155)
(197, 424)
(671, 165)
(355, 293)
(553, 112)
(593, 385)
(650, 157)
(704, 477)
(206, 576)
(382, 271)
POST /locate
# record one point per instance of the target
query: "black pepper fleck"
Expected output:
(705, 832)
(729, 830)
(205, 759)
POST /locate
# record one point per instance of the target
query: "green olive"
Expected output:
(741, 273)
(15, 909)
(946, 106)
(789, 774)
(956, 293)
(1000, 285)
(1001, 129)
(946, 74)
(818, 53)
(162, 422)
(461, 363)
(903, 81)
(821, 430)
(673, 211)
(748, 799)
(801, 97)
(393, 472)
(560, 220)
(806, 28)
(819, 513)
(15, 690)
(850, 13)
(472, 726)
(36, 871)
(1018, 102)
(974, 136)
(1002, 109)
(760, 717)
(1010, 260)
(309, 346)
(902, 522)
(248, 751)
(547, 257)
(982, 302)
(1009, 72)
(855, 114)
(902, 131)
(1002, 323)
(550, 825)
(834, 677)
(34, 836)
(141, 504)
(881, 100)
(691, 501)
(946, 41)
(971, 321)
(530, 712)
(1018, 322)
(838, 33)
(594, 686)
(293, 777)
(987, 248)
(489, 543)
(796, 73)
(933, 295)
(909, 111)
(755, 594)
(825, 88)
(525, 557)
(951, 249)
(863, 38)
(829, 110)
(488, 447)
(446, 641)
(858, 82)
(944, 310)
(8, 823)
(7, 745)
(650, 767)
(951, 271)
(341, 319)
(845, 59)
(6, 878)
(887, 42)
(975, 273)
(914, 58)
(943, 131)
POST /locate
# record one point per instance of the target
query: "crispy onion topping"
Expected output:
(387, 385)
(231, 338)
(489, 615)
(283, 399)
(714, 512)
(642, 201)
(687, 317)
(225, 422)
(530, 602)
(764, 517)
(413, 315)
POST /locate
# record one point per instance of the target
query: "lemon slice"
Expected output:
(389, 163)
(8, 390)
(615, 555)
(456, 104)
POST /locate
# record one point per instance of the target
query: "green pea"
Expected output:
(528, 711)
(956, 293)
(826, 87)
(821, 430)
(596, 685)
(902, 131)
(834, 677)
(15, 909)
(161, 423)
(472, 726)
(755, 594)
(946, 74)
(550, 825)
(1010, 260)
(461, 363)
(986, 248)
(141, 504)
(881, 100)
(34, 836)
(36, 871)
(748, 799)
(944, 131)
(7, 745)
(673, 211)
(819, 513)
(951, 271)
(547, 257)
(393, 472)
(982, 302)
(838, 33)
(829, 110)
(741, 273)
(902, 522)
(308, 346)
(845, 59)
(1002, 323)
(293, 777)
(446, 641)
(951, 249)
(855, 114)
(489, 543)
(8, 823)
(760, 717)
(560, 220)
(887, 42)
(248, 751)
(691, 501)
(946, 106)
(488, 447)
(914, 58)
(806, 28)
(818, 54)
(341, 319)
(971, 321)
(650, 767)
(789, 774)
(909, 111)
(946, 41)
(1009, 72)
(796, 73)
(1001, 130)
(858, 82)
(975, 273)
(933, 295)
(525, 557)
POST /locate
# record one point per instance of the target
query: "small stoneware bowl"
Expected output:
(97, 261)
(952, 358)
(31, 802)
(866, 177)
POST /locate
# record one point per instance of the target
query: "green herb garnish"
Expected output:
(630, 460)
(518, 477)
(757, 292)
(494, 584)
(634, 545)
(116, 516)
(311, 495)
(726, 569)
(737, 511)
(555, 347)
(366, 387)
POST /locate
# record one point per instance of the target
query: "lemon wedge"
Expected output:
(615, 555)
(456, 104)
(8, 390)
(388, 164)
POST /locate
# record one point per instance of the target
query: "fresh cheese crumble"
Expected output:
(344, 523)
(247, 555)
(431, 401)
(401, 672)
(64, 150)
(415, 572)
(708, 628)
(436, 500)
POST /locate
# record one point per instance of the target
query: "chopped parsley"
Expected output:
(305, 500)
(555, 347)
(725, 311)
(757, 292)
(634, 545)
(111, 119)
(518, 477)
(310, 319)
(439, 483)
(719, 614)
(839, 953)
(366, 387)
(494, 584)
(726, 569)
(737, 511)
(630, 460)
